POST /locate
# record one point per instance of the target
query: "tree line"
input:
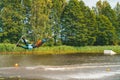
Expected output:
(68, 22)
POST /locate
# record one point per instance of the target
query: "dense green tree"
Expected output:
(78, 24)
(40, 21)
(104, 8)
(106, 32)
(56, 11)
(117, 11)
(12, 16)
(90, 21)
(72, 23)
(109, 12)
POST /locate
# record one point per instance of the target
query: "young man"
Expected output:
(31, 46)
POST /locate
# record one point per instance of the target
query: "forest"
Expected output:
(69, 23)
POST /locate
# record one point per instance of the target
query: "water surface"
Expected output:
(60, 67)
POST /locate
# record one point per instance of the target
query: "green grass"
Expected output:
(12, 49)
(7, 47)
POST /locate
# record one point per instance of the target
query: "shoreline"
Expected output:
(40, 53)
(58, 50)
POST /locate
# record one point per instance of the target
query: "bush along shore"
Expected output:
(12, 49)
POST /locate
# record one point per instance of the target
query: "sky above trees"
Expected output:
(91, 3)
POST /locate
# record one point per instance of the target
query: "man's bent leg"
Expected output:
(25, 42)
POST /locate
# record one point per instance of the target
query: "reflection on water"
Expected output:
(34, 60)
(60, 67)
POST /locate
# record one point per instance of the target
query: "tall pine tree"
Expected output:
(117, 11)
(56, 11)
(78, 24)
(72, 24)
(106, 32)
(105, 10)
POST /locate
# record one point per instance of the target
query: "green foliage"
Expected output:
(9, 49)
(106, 32)
(78, 23)
(12, 16)
(50, 42)
(68, 22)
(72, 22)
(59, 42)
(40, 21)
(117, 11)
(107, 24)
(56, 11)
(6, 47)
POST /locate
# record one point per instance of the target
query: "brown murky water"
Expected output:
(60, 67)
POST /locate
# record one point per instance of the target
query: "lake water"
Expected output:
(60, 67)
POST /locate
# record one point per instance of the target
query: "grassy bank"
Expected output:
(11, 49)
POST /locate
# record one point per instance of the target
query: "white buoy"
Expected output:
(109, 52)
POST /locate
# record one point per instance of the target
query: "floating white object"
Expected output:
(109, 52)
